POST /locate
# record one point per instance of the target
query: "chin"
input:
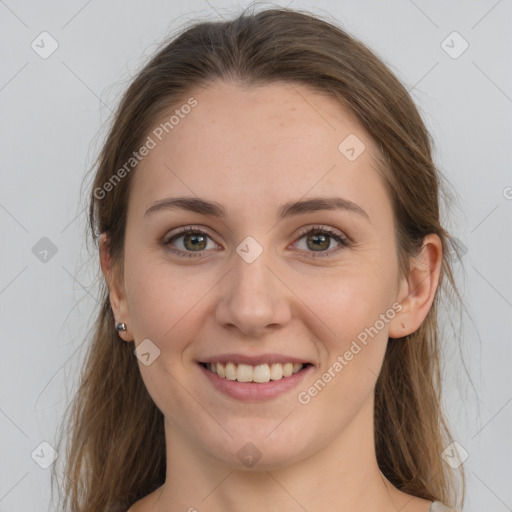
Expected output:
(258, 451)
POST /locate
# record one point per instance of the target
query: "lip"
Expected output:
(254, 360)
(254, 391)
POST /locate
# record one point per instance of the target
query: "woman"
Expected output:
(267, 215)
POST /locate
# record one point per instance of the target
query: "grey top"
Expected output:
(437, 506)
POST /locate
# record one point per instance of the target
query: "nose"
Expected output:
(253, 298)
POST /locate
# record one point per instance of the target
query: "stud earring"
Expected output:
(121, 327)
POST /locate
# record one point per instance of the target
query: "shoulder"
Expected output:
(147, 503)
(136, 507)
(437, 506)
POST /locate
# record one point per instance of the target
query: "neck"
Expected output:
(342, 476)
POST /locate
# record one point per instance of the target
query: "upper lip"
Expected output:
(254, 360)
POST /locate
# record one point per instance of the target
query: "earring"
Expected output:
(121, 327)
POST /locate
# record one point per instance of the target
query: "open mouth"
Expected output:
(261, 373)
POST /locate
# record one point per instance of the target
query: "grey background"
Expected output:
(52, 113)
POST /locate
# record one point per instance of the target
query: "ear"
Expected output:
(418, 289)
(116, 289)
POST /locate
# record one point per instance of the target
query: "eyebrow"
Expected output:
(289, 209)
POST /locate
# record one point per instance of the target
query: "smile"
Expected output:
(260, 373)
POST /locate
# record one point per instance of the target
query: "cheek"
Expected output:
(158, 300)
(355, 349)
(357, 308)
(351, 300)
(164, 308)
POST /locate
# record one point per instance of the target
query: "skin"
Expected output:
(252, 149)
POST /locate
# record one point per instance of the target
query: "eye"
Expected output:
(194, 242)
(319, 239)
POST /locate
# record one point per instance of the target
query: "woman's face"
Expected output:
(253, 285)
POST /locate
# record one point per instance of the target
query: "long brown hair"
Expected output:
(115, 453)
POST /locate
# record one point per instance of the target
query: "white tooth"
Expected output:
(230, 371)
(261, 373)
(287, 369)
(221, 370)
(276, 371)
(244, 373)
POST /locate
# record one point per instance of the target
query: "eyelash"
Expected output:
(315, 230)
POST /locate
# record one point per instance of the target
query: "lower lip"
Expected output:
(254, 391)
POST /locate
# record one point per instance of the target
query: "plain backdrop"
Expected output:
(454, 57)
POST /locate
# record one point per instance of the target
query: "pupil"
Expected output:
(323, 239)
(194, 239)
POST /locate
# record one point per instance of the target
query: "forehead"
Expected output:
(272, 143)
